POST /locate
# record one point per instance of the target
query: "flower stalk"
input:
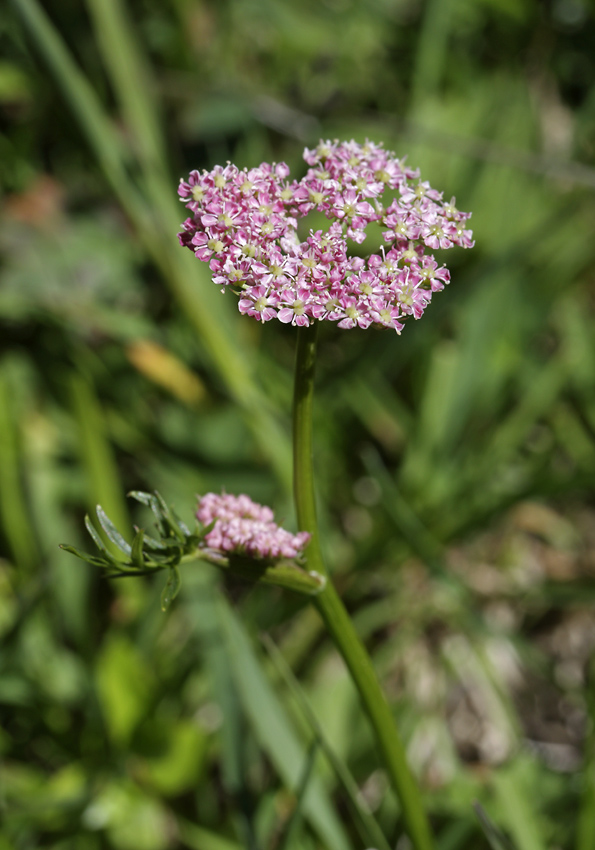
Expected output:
(332, 610)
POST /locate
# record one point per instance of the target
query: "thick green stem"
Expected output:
(332, 609)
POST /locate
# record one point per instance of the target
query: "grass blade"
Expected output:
(171, 589)
(275, 731)
(153, 216)
(130, 77)
(14, 515)
(368, 828)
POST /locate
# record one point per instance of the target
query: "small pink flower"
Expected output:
(259, 303)
(244, 224)
(244, 527)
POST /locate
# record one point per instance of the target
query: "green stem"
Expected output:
(303, 472)
(333, 611)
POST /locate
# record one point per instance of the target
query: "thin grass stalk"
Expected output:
(155, 218)
(332, 610)
(14, 513)
(131, 79)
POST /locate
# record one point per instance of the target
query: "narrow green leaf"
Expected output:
(143, 498)
(112, 532)
(134, 573)
(171, 589)
(151, 501)
(94, 534)
(95, 560)
(168, 516)
(170, 557)
(153, 544)
(136, 553)
(181, 524)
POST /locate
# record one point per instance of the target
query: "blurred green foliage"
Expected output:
(455, 463)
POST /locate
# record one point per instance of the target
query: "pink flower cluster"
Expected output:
(245, 527)
(244, 224)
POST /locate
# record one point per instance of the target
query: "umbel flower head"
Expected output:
(244, 224)
(244, 527)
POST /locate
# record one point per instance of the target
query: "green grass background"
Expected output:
(455, 463)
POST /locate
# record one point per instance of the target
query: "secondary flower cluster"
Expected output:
(245, 527)
(244, 224)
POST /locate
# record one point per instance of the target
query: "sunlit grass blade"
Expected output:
(368, 827)
(275, 731)
(131, 79)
